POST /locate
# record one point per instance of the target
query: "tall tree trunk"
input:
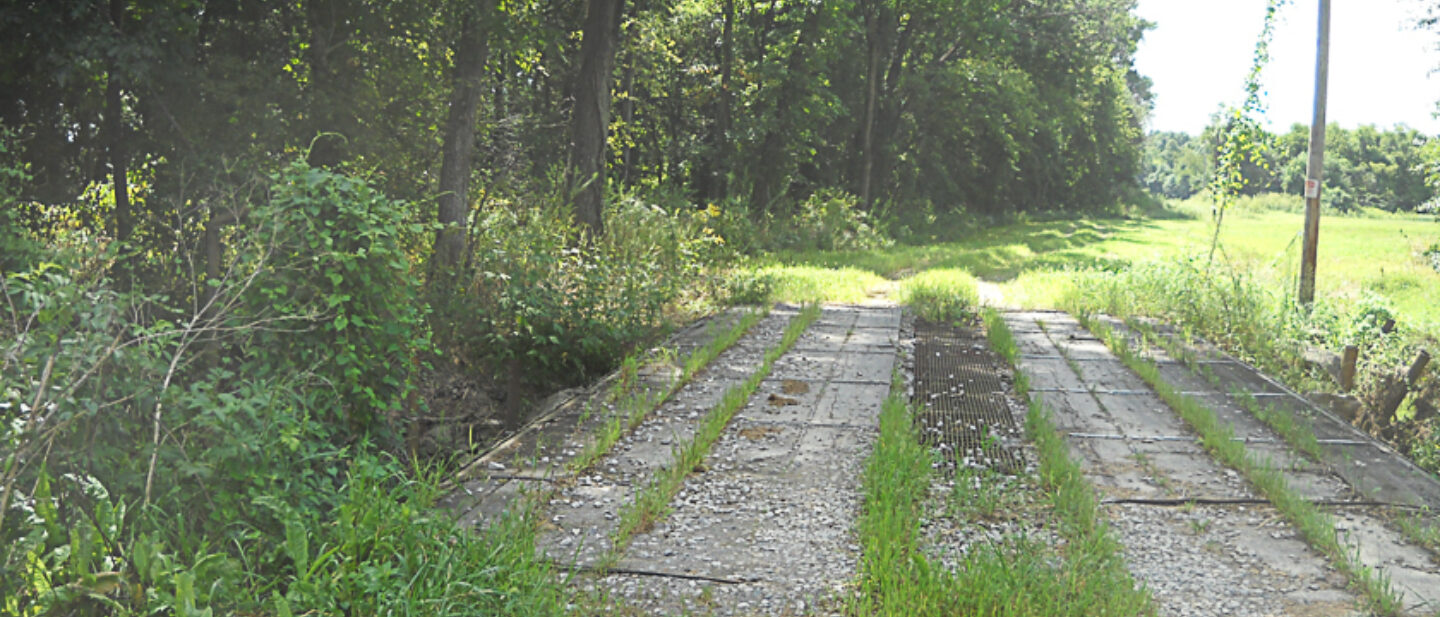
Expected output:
(459, 146)
(874, 49)
(772, 168)
(123, 219)
(724, 122)
(591, 116)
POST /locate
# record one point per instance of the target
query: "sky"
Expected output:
(1381, 65)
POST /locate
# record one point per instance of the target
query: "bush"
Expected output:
(550, 306)
(160, 460)
(330, 272)
(831, 220)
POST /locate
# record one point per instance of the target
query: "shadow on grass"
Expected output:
(995, 254)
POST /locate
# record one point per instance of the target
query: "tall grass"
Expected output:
(802, 284)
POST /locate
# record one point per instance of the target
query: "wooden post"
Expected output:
(1315, 170)
(1347, 367)
(1417, 368)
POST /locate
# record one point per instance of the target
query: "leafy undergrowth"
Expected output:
(1017, 576)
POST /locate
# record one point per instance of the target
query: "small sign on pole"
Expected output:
(1312, 188)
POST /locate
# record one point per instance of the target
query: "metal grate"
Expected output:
(966, 414)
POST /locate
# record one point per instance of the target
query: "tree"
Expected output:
(459, 147)
(590, 117)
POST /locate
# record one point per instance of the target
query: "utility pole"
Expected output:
(1315, 170)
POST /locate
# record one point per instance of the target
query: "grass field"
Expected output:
(1375, 253)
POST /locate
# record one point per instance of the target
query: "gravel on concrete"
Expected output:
(1199, 560)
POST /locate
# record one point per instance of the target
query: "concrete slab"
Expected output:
(1190, 565)
(775, 504)
(1354, 468)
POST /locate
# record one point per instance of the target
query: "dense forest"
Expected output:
(1365, 167)
(237, 239)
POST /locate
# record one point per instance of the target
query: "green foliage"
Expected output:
(17, 248)
(552, 308)
(1365, 167)
(386, 530)
(335, 277)
(831, 220)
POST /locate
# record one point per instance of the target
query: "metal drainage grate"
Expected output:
(966, 415)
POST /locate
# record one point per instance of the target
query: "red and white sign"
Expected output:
(1312, 188)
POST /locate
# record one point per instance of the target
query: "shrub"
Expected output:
(831, 220)
(330, 271)
(546, 304)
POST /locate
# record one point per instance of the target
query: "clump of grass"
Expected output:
(1421, 529)
(1317, 527)
(942, 294)
(653, 501)
(637, 403)
(979, 492)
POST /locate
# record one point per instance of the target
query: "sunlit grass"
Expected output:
(806, 284)
(1378, 252)
(939, 294)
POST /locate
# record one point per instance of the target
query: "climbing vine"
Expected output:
(1242, 138)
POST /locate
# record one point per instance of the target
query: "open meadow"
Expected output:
(1373, 255)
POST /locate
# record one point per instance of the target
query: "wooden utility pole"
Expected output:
(1315, 170)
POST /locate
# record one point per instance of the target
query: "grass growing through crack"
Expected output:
(1012, 577)
(1421, 529)
(653, 501)
(1317, 527)
(1092, 549)
(1293, 430)
(636, 403)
